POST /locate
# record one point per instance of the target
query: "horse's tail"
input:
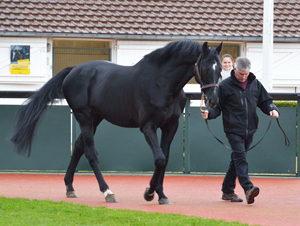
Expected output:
(29, 113)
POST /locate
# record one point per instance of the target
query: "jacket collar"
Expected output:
(251, 78)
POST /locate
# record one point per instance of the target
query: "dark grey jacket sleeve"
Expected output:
(265, 101)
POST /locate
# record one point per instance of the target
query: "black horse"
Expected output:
(147, 95)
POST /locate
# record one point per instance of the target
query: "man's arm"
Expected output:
(265, 103)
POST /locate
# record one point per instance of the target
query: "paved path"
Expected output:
(278, 203)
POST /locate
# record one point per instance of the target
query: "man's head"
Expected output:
(242, 68)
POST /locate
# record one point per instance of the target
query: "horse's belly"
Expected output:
(123, 122)
(119, 116)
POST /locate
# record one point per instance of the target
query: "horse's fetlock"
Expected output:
(148, 194)
(107, 192)
(69, 187)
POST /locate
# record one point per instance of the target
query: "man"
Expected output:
(239, 95)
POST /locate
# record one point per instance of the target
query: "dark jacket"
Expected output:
(238, 106)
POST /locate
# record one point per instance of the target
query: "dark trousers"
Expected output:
(238, 167)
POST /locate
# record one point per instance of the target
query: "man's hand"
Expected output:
(273, 113)
(204, 114)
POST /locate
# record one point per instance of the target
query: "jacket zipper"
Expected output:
(247, 113)
(244, 103)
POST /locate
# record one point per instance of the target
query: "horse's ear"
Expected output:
(219, 48)
(204, 47)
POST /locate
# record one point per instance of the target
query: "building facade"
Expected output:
(47, 36)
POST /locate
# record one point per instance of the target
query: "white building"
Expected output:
(66, 33)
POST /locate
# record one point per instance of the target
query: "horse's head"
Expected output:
(207, 73)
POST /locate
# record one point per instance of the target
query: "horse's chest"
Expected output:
(162, 105)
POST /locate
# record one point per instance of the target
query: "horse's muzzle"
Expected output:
(212, 103)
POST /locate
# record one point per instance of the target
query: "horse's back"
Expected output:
(97, 75)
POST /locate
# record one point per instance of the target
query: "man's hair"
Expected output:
(242, 63)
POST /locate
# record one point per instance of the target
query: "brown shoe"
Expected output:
(251, 193)
(231, 197)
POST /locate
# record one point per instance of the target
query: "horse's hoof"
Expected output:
(71, 194)
(111, 198)
(164, 201)
(148, 197)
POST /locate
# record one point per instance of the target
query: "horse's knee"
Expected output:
(78, 150)
(160, 162)
(92, 157)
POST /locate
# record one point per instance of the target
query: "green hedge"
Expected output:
(280, 103)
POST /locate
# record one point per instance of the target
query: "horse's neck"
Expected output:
(179, 78)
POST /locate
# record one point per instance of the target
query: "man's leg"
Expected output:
(252, 192)
(238, 145)
(229, 184)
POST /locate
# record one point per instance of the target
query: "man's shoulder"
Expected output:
(225, 82)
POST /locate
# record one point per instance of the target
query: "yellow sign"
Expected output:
(20, 59)
(22, 67)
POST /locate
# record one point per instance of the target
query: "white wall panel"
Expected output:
(131, 52)
(39, 64)
(286, 66)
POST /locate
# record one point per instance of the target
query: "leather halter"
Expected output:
(199, 77)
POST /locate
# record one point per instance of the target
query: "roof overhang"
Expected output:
(149, 37)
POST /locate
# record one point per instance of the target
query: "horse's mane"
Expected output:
(175, 50)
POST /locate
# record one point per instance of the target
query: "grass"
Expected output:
(19, 211)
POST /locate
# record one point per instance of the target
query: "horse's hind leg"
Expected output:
(76, 155)
(88, 123)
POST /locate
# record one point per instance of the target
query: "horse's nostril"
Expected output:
(212, 103)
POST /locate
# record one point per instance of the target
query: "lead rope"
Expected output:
(287, 142)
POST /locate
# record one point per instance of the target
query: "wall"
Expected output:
(40, 64)
(271, 156)
(51, 144)
(286, 67)
(123, 149)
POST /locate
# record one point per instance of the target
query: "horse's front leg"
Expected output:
(167, 136)
(87, 125)
(149, 131)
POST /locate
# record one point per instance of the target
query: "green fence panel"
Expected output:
(51, 144)
(125, 149)
(206, 153)
(271, 156)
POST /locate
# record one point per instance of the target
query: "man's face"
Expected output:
(241, 75)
